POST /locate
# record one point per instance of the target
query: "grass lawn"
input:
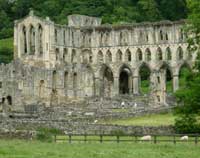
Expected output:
(148, 120)
(34, 149)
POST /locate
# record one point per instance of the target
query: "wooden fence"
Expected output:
(194, 138)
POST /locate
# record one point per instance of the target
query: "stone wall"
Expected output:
(80, 128)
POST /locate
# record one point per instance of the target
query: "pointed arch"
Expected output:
(144, 78)
(159, 54)
(168, 54)
(40, 39)
(100, 57)
(57, 52)
(107, 81)
(128, 56)
(32, 39)
(108, 56)
(167, 70)
(148, 54)
(119, 56)
(74, 56)
(65, 54)
(125, 80)
(180, 53)
(24, 32)
(139, 55)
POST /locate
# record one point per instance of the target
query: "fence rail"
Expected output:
(176, 138)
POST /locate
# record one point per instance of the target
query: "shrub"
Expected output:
(46, 134)
(187, 124)
(117, 132)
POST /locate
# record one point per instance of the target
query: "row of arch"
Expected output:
(127, 56)
(85, 81)
(32, 39)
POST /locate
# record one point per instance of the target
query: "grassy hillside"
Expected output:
(148, 120)
(6, 50)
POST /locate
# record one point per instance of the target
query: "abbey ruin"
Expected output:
(58, 64)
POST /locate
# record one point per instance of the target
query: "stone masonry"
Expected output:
(57, 64)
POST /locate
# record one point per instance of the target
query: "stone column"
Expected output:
(28, 41)
(175, 83)
(97, 86)
(136, 84)
(116, 87)
(37, 53)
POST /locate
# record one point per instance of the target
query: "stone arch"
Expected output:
(119, 56)
(148, 54)
(108, 56)
(161, 35)
(144, 78)
(40, 39)
(65, 55)
(57, 54)
(168, 54)
(32, 39)
(9, 100)
(74, 56)
(183, 71)
(56, 35)
(179, 53)
(24, 40)
(66, 79)
(107, 81)
(168, 73)
(139, 56)
(128, 56)
(125, 80)
(159, 54)
(75, 83)
(100, 57)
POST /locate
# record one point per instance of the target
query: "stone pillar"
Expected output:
(97, 86)
(175, 83)
(115, 91)
(136, 84)
(37, 42)
(28, 41)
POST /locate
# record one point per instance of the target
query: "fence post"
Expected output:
(196, 139)
(55, 138)
(101, 138)
(155, 139)
(70, 139)
(117, 138)
(85, 138)
(174, 139)
(135, 139)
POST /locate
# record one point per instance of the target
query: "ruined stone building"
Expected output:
(55, 64)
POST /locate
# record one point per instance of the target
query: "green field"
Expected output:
(148, 120)
(26, 149)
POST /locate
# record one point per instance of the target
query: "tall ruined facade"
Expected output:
(54, 64)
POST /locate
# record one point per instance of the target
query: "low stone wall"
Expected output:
(12, 125)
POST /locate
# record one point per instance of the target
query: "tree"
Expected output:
(189, 97)
(149, 10)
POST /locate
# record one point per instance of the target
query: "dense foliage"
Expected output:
(189, 96)
(112, 11)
